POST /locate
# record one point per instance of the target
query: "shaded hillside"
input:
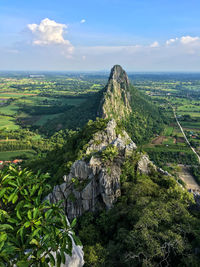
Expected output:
(76, 117)
(145, 120)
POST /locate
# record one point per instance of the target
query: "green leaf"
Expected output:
(35, 213)
(34, 241)
(5, 177)
(40, 191)
(21, 232)
(22, 264)
(2, 192)
(18, 215)
(3, 237)
(52, 260)
(38, 222)
(58, 258)
(27, 224)
(11, 197)
(29, 214)
(15, 198)
(73, 222)
(36, 231)
(6, 227)
(12, 220)
(48, 213)
(40, 252)
(12, 183)
(1, 246)
(62, 256)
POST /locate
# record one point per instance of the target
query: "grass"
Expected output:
(44, 119)
(8, 123)
(9, 155)
(192, 114)
(11, 109)
(168, 141)
(168, 131)
(190, 125)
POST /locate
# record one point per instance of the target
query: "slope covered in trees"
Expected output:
(150, 225)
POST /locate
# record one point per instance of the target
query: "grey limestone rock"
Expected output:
(145, 165)
(97, 182)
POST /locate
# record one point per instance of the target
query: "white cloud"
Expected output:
(49, 32)
(184, 40)
(83, 21)
(171, 41)
(155, 44)
(189, 39)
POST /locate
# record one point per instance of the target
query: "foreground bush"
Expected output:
(30, 229)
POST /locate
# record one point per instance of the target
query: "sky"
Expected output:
(93, 35)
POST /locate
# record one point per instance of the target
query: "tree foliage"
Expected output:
(150, 225)
(31, 229)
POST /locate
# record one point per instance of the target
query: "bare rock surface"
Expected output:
(95, 183)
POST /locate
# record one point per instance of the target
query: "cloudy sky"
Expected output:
(141, 35)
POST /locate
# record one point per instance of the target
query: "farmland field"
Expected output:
(35, 105)
(182, 92)
(10, 155)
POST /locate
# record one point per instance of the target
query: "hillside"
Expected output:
(125, 205)
(118, 100)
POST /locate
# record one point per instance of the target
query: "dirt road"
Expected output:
(187, 141)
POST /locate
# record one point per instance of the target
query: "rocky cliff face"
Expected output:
(94, 181)
(115, 101)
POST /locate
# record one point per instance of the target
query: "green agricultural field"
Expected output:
(169, 141)
(11, 109)
(190, 125)
(8, 123)
(45, 118)
(168, 131)
(10, 155)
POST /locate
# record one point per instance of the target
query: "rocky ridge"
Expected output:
(94, 181)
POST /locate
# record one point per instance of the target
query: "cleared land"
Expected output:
(188, 179)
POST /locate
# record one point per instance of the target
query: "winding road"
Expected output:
(187, 141)
(185, 175)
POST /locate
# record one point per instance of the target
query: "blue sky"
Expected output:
(142, 35)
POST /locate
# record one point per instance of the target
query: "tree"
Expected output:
(31, 229)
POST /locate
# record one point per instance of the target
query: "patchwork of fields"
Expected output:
(182, 92)
(28, 103)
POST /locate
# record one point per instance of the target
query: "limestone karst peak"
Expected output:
(115, 102)
(119, 75)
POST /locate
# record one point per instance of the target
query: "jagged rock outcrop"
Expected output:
(116, 97)
(95, 182)
(145, 165)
